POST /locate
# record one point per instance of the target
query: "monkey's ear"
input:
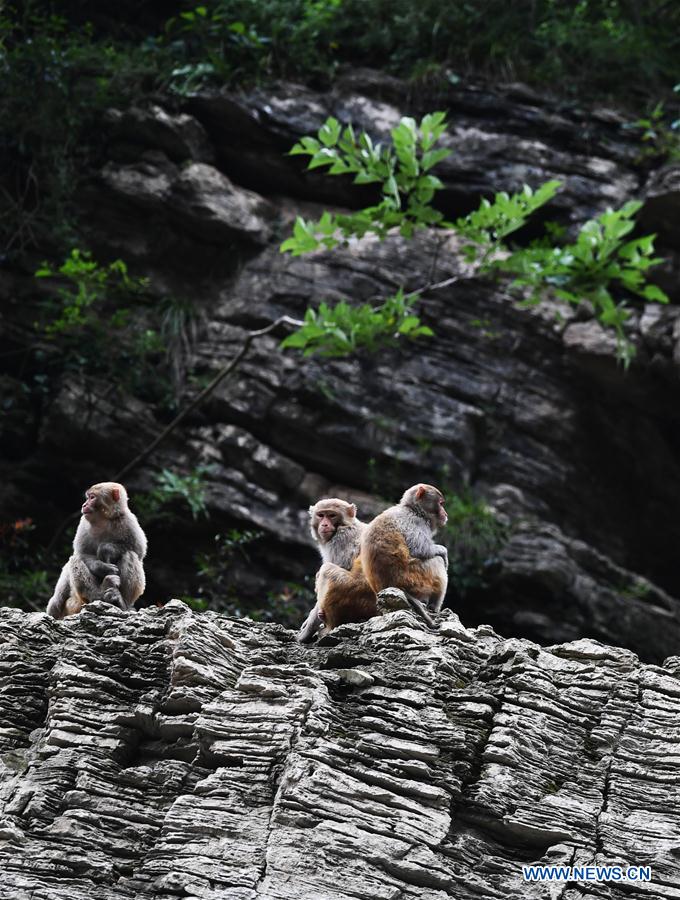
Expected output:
(351, 510)
(420, 490)
(115, 495)
(311, 510)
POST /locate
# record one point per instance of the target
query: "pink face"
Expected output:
(89, 507)
(441, 513)
(327, 526)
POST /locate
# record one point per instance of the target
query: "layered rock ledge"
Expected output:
(167, 754)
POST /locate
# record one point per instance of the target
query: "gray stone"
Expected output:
(163, 754)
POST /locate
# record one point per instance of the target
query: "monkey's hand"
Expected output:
(99, 568)
(440, 550)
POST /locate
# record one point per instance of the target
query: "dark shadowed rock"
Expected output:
(553, 588)
(178, 135)
(500, 141)
(661, 208)
(163, 754)
(207, 200)
(198, 199)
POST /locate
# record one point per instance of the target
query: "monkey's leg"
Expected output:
(426, 580)
(83, 583)
(310, 626)
(440, 580)
(56, 605)
(346, 597)
(111, 591)
(73, 605)
(132, 580)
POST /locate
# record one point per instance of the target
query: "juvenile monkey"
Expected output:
(108, 550)
(397, 549)
(343, 595)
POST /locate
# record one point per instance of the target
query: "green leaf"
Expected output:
(653, 292)
(432, 157)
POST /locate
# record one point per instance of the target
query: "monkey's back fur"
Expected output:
(387, 562)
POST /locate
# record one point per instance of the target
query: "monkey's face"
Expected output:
(431, 501)
(101, 501)
(326, 525)
(91, 507)
(443, 515)
(329, 515)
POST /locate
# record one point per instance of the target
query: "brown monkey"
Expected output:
(397, 549)
(108, 550)
(343, 595)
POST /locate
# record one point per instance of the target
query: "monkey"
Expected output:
(343, 595)
(397, 549)
(108, 550)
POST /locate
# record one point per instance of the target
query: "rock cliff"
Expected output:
(165, 754)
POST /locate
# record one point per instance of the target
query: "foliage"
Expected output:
(228, 41)
(659, 133)
(97, 319)
(56, 82)
(594, 268)
(178, 330)
(598, 262)
(89, 283)
(212, 566)
(474, 537)
(488, 226)
(50, 136)
(402, 171)
(172, 488)
(216, 589)
(635, 588)
(213, 48)
(343, 329)
(594, 47)
(23, 582)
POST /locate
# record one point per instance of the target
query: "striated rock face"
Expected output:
(164, 754)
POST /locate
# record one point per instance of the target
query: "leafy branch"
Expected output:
(343, 329)
(402, 170)
(594, 268)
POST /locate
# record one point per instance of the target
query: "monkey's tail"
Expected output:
(419, 609)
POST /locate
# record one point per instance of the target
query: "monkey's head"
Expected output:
(327, 516)
(428, 502)
(104, 501)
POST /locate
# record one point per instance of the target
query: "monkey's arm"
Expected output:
(442, 551)
(430, 550)
(418, 537)
(57, 602)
